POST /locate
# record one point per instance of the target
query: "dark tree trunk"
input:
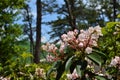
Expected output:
(38, 32)
(28, 19)
(114, 9)
(31, 41)
(71, 16)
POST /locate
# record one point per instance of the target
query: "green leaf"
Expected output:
(50, 71)
(103, 55)
(26, 55)
(68, 63)
(1, 68)
(110, 25)
(118, 16)
(57, 64)
(79, 72)
(53, 68)
(96, 58)
(100, 78)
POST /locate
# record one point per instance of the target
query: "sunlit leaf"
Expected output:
(79, 72)
(26, 55)
(96, 58)
(118, 15)
(68, 63)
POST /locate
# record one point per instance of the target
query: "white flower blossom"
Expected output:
(44, 47)
(98, 30)
(82, 37)
(115, 61)
(88, 50)
(71, 35)
(91, 30)
(94, 43)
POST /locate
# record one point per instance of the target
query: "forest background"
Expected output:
(27, 24)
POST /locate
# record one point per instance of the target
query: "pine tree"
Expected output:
(80, 14)
(9, 29)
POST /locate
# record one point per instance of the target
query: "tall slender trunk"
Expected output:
(31, 41)
(114, 9)
(38, 32)
(28, 19)
(71, 16)
(31, 32)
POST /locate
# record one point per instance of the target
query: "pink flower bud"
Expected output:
(80, 44)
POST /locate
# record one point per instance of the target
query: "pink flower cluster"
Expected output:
(83, 41)
(49, 48)
(72, 76)
(116, 62)
(53, 49)
(50, 58)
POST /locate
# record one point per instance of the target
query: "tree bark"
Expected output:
(114, 9)
(71, 16)
(38, 32)
(29, 31)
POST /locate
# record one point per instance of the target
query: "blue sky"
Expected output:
(45, 28)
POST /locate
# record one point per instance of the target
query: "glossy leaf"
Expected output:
(54, 67)
(96, 58)
(103, 55)
(79, 72)
(68, 63)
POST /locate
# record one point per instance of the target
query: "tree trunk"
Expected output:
(28, 19)
(71, 16)
(114, 9)
(38, 32)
